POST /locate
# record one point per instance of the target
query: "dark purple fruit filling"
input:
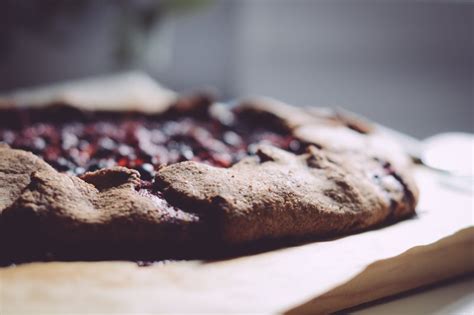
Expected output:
(140, 142)
(76, 142)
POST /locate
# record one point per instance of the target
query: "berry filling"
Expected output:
(76, 145)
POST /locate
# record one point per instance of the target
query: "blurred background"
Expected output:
(406, 64)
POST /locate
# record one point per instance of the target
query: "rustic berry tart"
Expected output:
(189, 178)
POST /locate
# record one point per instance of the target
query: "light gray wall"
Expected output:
(203, 49)
(407, 64)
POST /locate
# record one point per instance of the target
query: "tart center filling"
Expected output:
(140, 142)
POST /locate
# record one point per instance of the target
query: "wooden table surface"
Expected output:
(455, 296)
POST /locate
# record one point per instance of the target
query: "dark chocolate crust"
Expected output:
(350, 178)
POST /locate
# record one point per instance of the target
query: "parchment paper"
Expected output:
(436, 245)
(312, 278)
